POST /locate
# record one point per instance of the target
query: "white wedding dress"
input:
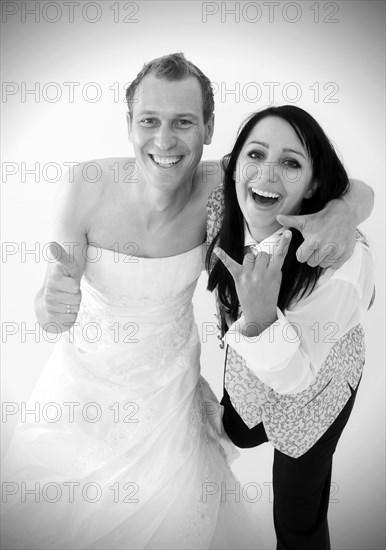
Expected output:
(127, 448)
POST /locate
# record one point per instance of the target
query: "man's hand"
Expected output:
(257, 283)
(62, 296)
(329, 235)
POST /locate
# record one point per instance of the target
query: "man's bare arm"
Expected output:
(360, 200)
(57, 301)
(330, 235)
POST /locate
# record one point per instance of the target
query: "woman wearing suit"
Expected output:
(295, 345)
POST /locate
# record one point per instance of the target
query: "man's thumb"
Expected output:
(69, 267)
(297, 222)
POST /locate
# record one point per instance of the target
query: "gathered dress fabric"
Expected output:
(127, 449)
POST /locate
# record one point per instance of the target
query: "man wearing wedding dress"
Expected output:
(133, 471)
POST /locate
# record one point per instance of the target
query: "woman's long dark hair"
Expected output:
(298, 279)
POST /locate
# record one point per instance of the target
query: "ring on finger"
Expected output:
(68, 308)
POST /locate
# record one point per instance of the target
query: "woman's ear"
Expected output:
(311, 190)
(225, 161)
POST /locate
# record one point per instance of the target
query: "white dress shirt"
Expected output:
(288, 354)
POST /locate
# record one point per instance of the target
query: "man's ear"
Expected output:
(129, 126)
(209, 129)
(311, 190)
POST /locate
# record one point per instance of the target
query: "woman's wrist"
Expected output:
(255, 325)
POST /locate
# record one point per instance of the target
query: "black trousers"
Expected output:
(301, 486)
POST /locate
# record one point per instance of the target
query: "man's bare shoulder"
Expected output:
(90, 179)
(85, 185)
(105, 171)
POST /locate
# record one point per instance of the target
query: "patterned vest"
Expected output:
(293, 422)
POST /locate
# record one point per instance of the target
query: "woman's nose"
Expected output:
(270, 171)
(165, 138)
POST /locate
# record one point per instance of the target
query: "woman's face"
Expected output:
(273, 175)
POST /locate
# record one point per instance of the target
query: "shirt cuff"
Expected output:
(271, 350)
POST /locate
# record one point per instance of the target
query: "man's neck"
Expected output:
(161, 205)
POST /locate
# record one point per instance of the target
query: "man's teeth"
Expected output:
(165, 161)
(265, 194)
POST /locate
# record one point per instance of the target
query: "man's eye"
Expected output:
(292, 163)
(257, 155)
(148, 121)
(184, 123)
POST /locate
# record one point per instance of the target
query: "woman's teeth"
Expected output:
(264, 197)
(166, 161)
(265, 193)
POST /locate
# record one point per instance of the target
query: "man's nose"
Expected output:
(165, 138)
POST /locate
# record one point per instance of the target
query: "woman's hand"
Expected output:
(258, 282)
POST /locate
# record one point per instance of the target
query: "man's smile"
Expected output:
(166, 161)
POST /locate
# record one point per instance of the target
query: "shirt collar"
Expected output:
(267, 244)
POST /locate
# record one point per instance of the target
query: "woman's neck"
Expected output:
(260, 234)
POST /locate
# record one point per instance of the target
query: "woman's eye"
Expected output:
(292, 163)
(258, 155)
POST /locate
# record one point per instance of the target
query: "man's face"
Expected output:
(167, 130)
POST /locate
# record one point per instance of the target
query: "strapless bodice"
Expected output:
(126, 280)
(136, 313)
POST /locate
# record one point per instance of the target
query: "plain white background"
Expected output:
(326, 57)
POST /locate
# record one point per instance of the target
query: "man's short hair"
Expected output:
(174, 67)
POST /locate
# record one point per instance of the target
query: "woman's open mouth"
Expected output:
(264, 198)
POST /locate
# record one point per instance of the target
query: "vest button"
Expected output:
(271, 397)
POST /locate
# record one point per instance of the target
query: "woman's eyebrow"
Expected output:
(261, 143)
(285, 150)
